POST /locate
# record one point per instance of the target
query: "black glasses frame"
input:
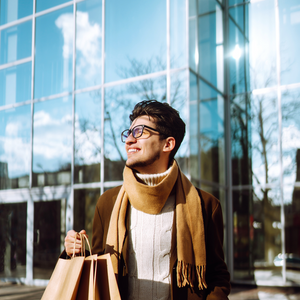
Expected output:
(126, 133)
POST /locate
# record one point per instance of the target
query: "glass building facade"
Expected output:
(70, 74)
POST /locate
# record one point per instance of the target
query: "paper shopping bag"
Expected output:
(64, 281)
(106, 279)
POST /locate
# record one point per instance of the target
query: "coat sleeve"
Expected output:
(217, 275)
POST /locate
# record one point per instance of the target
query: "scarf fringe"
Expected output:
(186, 275)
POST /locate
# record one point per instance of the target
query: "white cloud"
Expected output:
(65, 23)
(290, 137)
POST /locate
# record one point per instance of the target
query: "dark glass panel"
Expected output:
(15, 42)
(240, 14)
(241, 140)
(49, 234)
(13, 225)
(140, 47)
(11, 10)
(52, 142)
(85, 201)
(15, 129)
(88, 46)
(87, 137)
(54, 53)
(15, 84)
(119, 103)
(206, 6)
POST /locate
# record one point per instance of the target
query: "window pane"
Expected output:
(127, 52)
(85, 201)
(291, 135)
(292, 231)
(238, 60)
(240, 15)
(15, 84)
(289, 14)
(264, 139)
(49, 235)
(54, 53)
(15, 42)
(44, 4)
(210, 36)
(11, 10)
(88, 46)
(13, 224)
(193, 48)
(52, 142)
(87, 137)
(240, 121)
(262, 44)
(205, 6)
(233, 2)
(15, 130)
(211, 116)
(178, 33)
(179, 102)
(119, 103)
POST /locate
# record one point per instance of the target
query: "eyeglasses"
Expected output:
(136, 131)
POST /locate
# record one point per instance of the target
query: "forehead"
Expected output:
(143, 120)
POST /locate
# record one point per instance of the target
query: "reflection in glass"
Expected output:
(292, 229)
(15, 42)
(11, 10)
(119, 103)
(178, 33)
(240, 15)
(52, 142)
(238, 61)
(211, 52)
(264, 139)
(193, 50)
(45, 4)
(179, 102)
(240, 121)
(206, 6)
(13, 220)
(49, 234)
(87, 137)
(15, 84)
(211, 118)
(54, 53)
(289, 14)
(85, 201)
(127, 52)
(15, 133)
(88, 43)
(262, 44)
(290, 106)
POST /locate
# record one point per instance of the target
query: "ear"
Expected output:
(169, 144)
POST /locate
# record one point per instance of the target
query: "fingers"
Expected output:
(69, 242)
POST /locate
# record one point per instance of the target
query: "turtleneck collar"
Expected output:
(153, 179)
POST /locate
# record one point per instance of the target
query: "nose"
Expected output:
(130, 139)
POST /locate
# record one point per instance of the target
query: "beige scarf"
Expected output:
(191, 251)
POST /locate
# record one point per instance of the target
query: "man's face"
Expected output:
(144, 153)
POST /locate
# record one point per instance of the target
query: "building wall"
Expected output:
(70, 74)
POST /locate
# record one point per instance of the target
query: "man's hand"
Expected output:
(69, 242)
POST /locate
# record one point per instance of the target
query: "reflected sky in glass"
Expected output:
(15, 84)
(289, 14)
(54, 53)
(15, 42)
(15, 132)
(88, 43)
(44, 4)
(119, 103)
(52, 135)
(11, 10)
(210, 37)
(88, 128)
(262, 44)
(139, 47)
(178, 33)
(240, 15)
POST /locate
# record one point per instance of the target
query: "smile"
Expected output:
(132, 150)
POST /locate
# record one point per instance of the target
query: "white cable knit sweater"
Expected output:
(149, 248)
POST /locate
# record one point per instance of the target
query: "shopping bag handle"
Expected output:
(83, 239)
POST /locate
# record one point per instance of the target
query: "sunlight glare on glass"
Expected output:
(237, 52)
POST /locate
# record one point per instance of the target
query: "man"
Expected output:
(165, 236)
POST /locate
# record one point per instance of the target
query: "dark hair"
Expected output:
(166, 118)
